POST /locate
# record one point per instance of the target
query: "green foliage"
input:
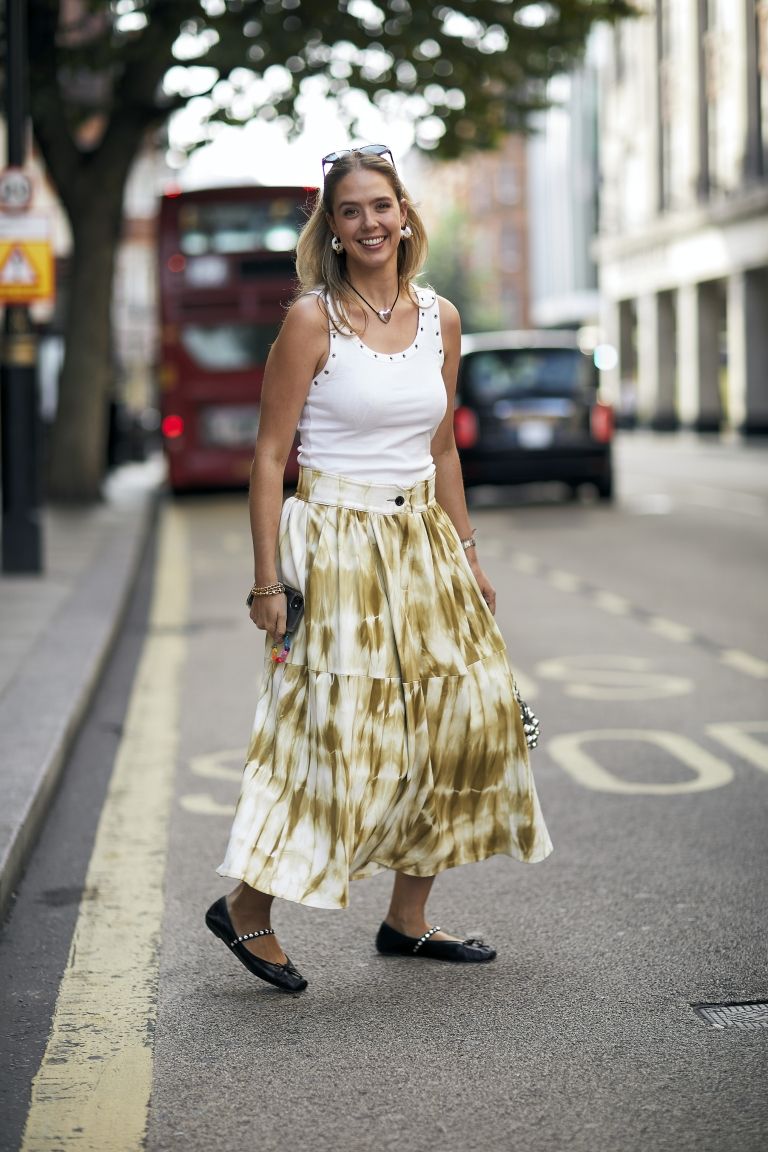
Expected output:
(448, 263)
(452, 271)
(105, 72)
(466, 73)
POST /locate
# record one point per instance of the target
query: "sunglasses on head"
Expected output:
(364, 150)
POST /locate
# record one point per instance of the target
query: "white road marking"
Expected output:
(528, 687)
(612, 677)
(725, 500)
(235, 542)
(736, 737)
(217, 766)
(203, 804)
(619, 606)
(522, 562)
(744, 662)
(698, 495)
(610, 602)
(671, 630)
(564, 581)
(648, 504)
(91, 1092)
(491, 546)
(569, 752)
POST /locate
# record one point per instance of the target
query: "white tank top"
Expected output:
(371, 415)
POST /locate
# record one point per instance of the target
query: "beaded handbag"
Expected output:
(530, 720)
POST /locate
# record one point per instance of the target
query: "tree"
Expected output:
(466, 74)
(448, 262)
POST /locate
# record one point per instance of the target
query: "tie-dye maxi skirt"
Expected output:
(391, 737)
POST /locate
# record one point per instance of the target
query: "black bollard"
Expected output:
(19, 409)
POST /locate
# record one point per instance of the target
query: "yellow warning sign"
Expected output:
(26, 260)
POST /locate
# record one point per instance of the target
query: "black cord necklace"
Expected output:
(384, 314)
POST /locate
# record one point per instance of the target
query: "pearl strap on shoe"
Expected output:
(423, 939)
(253, 936)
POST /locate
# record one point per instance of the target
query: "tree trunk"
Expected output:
(78, 446)
(91, 184)
(92, 192)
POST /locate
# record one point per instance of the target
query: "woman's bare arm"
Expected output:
(449, 485)
(294, 360)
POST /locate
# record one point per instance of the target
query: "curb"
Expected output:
(43, 707)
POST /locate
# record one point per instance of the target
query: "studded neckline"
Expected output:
(427, 313)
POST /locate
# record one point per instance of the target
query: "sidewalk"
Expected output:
(55, 635)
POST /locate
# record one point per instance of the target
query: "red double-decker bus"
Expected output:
(226, 273)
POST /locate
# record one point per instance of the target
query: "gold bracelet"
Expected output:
(470, 541)
(267, 590)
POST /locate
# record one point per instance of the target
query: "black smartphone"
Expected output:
(295, 608)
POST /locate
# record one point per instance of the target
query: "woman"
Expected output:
(387, 734)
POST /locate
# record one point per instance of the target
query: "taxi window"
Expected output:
(505, 373)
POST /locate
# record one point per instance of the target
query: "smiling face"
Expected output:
(367, 218)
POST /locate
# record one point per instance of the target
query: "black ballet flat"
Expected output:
(283, 976)
(392, 943)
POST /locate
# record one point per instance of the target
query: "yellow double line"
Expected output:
(91, 1093)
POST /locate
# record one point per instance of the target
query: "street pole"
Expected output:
(19, 410)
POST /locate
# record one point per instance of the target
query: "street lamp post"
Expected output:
(21, 535)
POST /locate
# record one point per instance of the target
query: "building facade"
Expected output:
(563, 198)
(476, 212)
(683, 240)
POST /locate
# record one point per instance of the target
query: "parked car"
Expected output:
(528, 410)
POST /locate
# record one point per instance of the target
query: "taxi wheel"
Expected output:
(605, 488)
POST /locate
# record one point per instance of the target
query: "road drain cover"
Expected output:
(750, 1016)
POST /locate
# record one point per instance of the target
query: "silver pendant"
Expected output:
(385, 315)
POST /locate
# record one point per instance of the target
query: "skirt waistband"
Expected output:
(327, 488)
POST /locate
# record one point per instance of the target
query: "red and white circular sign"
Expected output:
(15, 190)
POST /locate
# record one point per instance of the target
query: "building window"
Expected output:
(482, 189)
(482, 250)
(664, 94)
(509, 256)
(677, 111)
(619, 58)
(511, 309)
(761, 16)
(507, 182)
(725, 123)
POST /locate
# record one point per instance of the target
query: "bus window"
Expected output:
(239, 227)
(228, 347)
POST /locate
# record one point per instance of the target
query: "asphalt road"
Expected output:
(639, 631)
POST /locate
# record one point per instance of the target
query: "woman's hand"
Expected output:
(269, 613)
(487, 590)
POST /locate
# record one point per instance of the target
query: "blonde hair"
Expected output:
(317, 265)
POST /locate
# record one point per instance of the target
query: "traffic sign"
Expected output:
(26, 259)
(15, 190)
(17, 268)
